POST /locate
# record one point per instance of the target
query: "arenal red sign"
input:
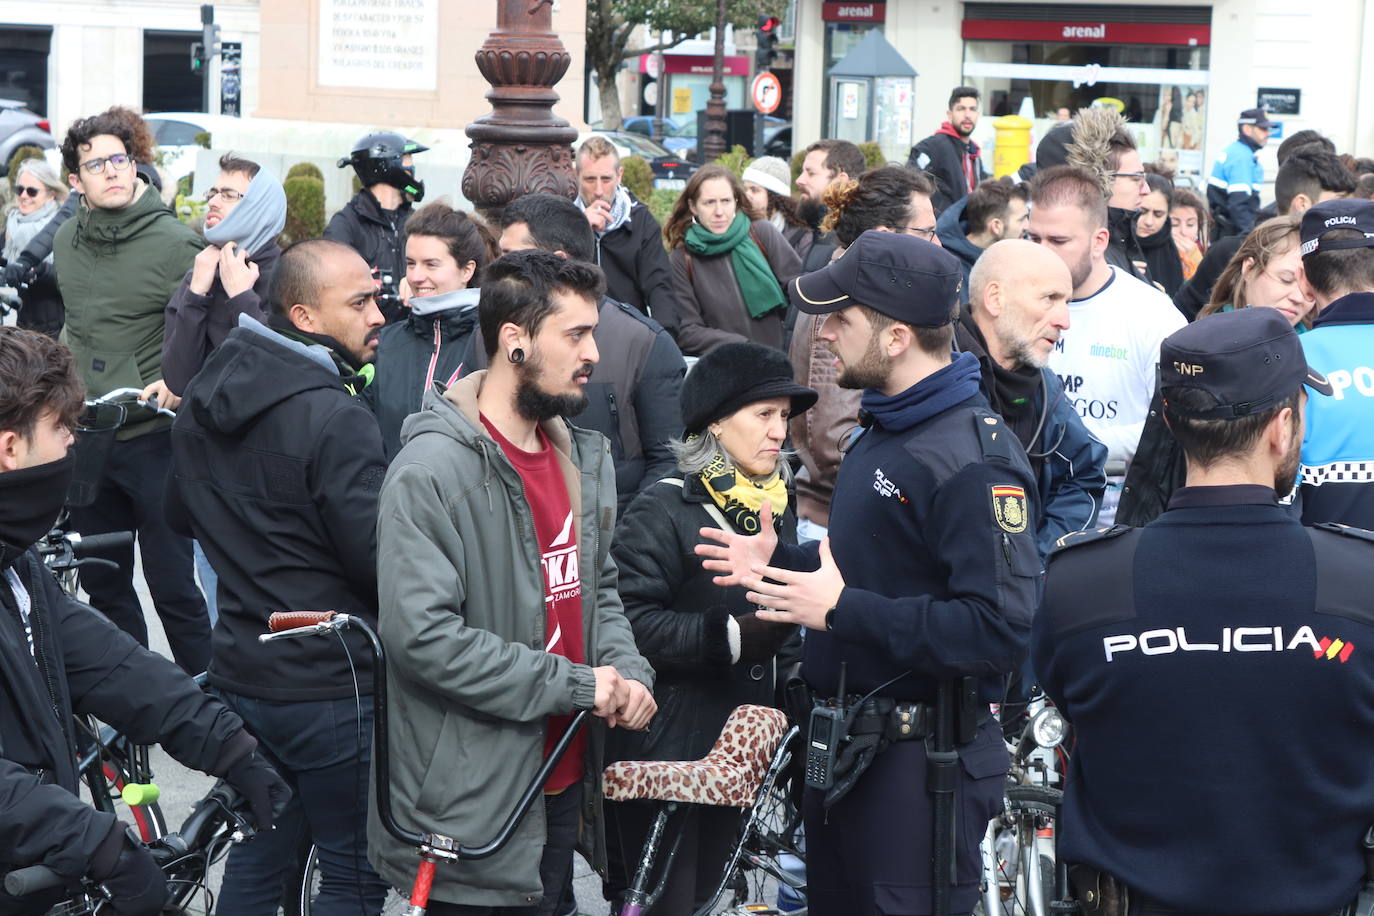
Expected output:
(1118, 33)
(854, 11)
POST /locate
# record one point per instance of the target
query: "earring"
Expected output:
(517, 356)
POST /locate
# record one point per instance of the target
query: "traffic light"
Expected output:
(767, 47)
(209, 31)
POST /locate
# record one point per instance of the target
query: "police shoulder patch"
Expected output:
(1349, 531)
(1009, 508)
(1079, 538)
(993, 435)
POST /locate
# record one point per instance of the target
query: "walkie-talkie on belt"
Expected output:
(823, 740)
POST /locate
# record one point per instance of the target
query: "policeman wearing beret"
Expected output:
(1217, 664)
(926, 584)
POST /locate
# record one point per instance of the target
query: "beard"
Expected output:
(1079, 273)
(811, 211)
(1019, 349)
(534, 403)
(871, 371)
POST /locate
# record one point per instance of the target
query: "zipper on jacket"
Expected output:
(433, 359)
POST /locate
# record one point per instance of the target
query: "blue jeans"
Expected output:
(316, 747)
(209, 582)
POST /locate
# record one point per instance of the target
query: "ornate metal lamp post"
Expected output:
(713, 144)
(520, 146)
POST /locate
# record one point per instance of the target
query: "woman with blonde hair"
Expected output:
(38, 195)
(729, 271)
(1266, 271)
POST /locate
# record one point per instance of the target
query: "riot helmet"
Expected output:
(376, 157)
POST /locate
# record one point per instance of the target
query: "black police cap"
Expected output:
(906, 278)
(1248, 360)
(1329, 215)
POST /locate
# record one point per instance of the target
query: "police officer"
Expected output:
(373, 222)
(1224, 709)
(931, 579)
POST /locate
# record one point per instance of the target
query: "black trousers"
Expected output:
(130, 499)
(563, 818)
(870, 854)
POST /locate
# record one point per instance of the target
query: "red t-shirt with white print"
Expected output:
(556, 531)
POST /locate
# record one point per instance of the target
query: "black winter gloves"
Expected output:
(129, 874)
(261, 785)
(760, 640)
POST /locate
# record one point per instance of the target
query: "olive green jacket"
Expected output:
(117, 269)
(463, 620)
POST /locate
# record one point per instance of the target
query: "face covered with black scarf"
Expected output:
(35, 470)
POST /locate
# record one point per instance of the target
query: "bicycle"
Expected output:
(216, 822)
(1021, 871)
(432, 848)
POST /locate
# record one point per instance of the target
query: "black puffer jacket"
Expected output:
(379, 236)
(636, 266)
(416, 351)
(276, 471)
(1161, 258)
(82, 662)
(680, 625)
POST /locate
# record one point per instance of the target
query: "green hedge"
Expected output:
(22, 153)
(638, 178)
(304, 209)
(307, 169)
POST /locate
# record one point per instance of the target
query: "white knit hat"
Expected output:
(770, 172)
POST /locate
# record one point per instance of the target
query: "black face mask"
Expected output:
(30, 501)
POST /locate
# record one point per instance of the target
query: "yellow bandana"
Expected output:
(740, 498)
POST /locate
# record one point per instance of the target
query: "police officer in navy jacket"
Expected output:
(1218, 664)
(929, 574)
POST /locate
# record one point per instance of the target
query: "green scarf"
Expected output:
(757, 285)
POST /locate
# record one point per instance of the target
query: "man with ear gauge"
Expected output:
(1179, 632)
(499, 603)
(923, 588)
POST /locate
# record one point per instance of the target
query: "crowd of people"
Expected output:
(936, 422)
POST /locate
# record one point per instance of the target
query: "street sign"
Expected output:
(766, 92)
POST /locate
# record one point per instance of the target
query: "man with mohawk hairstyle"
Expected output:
(1102, 145)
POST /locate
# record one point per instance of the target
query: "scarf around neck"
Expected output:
(740, 498)
(932, 395)
(758, 286)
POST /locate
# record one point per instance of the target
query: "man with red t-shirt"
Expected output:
(498, 600)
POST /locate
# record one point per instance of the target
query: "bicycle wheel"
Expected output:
(1021, 874)
(304, 886)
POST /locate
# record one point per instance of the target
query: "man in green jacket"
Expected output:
(498, 601)
(118, 261)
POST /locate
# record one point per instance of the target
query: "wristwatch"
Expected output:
(830, 619)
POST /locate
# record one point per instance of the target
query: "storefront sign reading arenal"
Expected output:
(854, 11)
(1125, 33)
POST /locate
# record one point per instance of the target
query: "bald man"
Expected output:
(1018, 306)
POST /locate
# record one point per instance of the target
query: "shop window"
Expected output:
(24, 66)
(168, 83)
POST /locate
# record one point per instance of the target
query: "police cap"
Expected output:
(1329, 215)
(1248, 360)
(905, 278)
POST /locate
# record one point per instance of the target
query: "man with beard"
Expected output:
(1017, 310)
(1176, 634)
(826, 162)
(930, 582)
(499, 600)
(950, 157)
(1107, 361)
(276, 467)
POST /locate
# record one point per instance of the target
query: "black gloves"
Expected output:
(760, 640)
(15, 272)
(261, 785)
(129, 874)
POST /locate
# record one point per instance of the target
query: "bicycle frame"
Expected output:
(432, 848)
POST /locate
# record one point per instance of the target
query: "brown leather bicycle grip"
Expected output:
(291, 620)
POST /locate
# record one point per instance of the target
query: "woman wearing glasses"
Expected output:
(729, 270)
(38, 194)
(245, 212)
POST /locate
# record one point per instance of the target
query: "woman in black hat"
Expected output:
(708, 649)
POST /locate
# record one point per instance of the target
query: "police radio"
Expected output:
(826, 730)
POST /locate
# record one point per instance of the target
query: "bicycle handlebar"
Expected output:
(292, 624)
(127, 396)
(95, 544)
(31, 879)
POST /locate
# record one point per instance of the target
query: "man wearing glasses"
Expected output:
(245, 212)
(118, 262)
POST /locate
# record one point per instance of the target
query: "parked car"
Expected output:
(176, 132)
(777, 139)
(671, 171)
(679, 137)
(21, 127)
